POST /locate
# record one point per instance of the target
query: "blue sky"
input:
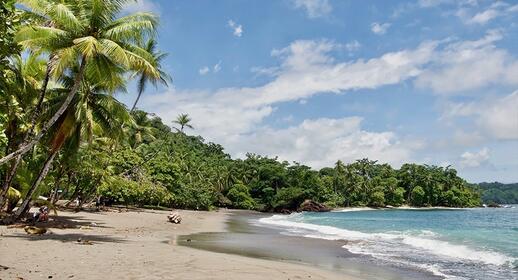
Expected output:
(315, 81)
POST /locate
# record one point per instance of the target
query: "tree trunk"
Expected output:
(14, 167)
(8, 179)
(136, 101)
(74, 195)
(24, 207)
(28, 146)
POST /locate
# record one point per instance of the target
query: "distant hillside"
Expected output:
(499, 193)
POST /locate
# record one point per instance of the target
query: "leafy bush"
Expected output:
(240, 197)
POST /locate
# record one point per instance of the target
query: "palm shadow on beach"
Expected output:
(77, 238)
(64, 223)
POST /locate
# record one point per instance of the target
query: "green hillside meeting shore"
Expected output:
(293, 139)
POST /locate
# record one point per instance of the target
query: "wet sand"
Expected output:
(244, 237)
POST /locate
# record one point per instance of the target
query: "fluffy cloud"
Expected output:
(379, 28)
(469, 65)
(314, 8)
(204, 70)
(321, 142)
(141, 6)
(217, 67)
(352, 46)
(495, 10)
(236, 28)
(476, 159)
(234, 116)
(498, 118)
(433, 3)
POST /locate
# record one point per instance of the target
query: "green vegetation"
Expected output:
(498, 193)
(65, 136)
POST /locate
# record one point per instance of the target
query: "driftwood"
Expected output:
(174, 218)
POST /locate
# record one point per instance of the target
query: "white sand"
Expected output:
(134, 245)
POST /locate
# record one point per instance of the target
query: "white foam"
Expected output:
(446, 249)
(376, 243)
(353, 209)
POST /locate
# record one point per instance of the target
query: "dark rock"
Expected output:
(312, 206)
(494, 205)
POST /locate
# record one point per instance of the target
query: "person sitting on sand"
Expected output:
(42, 215)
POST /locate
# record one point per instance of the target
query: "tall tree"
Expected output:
(92, 112)
(144, 78)
(183, 120)
(88, 32)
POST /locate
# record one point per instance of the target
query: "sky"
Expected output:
(316, 81)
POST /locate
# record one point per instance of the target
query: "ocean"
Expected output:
(477, 243)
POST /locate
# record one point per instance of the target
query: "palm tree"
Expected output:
(184, 121)
(145, 78)
(142, 129)
(88, 33)
(92, 112)
(22, 83)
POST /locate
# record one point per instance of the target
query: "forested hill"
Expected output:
(64, 135)
(158, 166)
(499, 193)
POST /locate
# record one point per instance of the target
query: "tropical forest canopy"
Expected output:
(65, 136)
(499, 193)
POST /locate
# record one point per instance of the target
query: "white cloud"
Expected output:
(230, 115)
(141, 6)
(321, 142)
(204, 70)
(468, 65)
(495, 10)
(217, 67)
(314, 8)
(353, 46)
(236, 28)
(498, 118)
(484, 17)
(476, 159)
(380, 28)
(432, 3)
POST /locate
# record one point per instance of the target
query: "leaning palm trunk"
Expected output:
(138, 98)
(28, 145)
(14, 167)
(24, 207)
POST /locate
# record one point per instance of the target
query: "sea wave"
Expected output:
(353, 209)
(390, 243)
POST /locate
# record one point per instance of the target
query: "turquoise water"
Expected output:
(479, 243)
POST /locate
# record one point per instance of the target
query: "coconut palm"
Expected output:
(142, 129)
(88, 33)
(183, 120)
(145, 78)
(92, 112)
(22, 83)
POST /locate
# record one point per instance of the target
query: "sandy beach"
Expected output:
(134, 245)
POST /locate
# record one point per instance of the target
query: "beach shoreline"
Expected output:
(137, 244)
(247, 236)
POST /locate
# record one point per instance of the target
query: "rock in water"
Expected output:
(35, 230)
(174, 218)
(312, 206)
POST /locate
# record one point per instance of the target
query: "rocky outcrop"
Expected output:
(312, 206)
